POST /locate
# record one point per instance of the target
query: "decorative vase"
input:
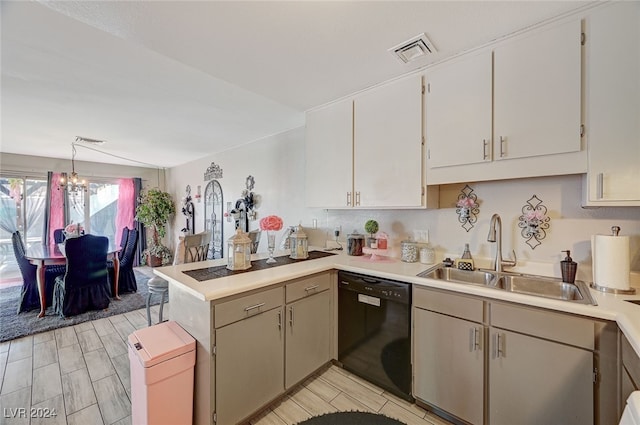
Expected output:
(154, 260)
(271, 242)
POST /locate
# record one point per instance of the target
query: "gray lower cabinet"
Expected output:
(487, 362)
(268, 342)
(535, 381)
(630, 379)
(541, 367)
(449, 364)
(249, 365)
(308, 337)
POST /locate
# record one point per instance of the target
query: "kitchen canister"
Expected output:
(409, 251)
(427, 255)
(611, 264)
(355, 242)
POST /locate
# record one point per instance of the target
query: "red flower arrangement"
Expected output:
(271, 222)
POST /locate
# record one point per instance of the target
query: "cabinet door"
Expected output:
(308, 340)
(329, 154)
(449, 364)
(537, 93)
(613, 104)
(458, 112)
(388, 145)
(533, 381)
(249, 365)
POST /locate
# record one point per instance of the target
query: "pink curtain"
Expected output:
(126, 207)
(56, 209)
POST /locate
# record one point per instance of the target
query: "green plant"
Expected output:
(153, 210)
(371, 227)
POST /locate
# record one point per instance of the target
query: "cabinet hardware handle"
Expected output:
(291, 316)
(600, 186)
(357, 199)
(500, 351)
(348, 199)
(502, 147)
(476, 338)
(279, 320)
(485, 143)
(311, 288)
(253, 307)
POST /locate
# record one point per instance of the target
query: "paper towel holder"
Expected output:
(615, 231)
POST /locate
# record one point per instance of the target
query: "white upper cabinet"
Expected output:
(367, 151)
(458, 111)
(388, 150)
(511, 110)
(537, 93)
(329, 155)
(613, 105)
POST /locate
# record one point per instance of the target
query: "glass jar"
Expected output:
(427, 255)
(355, 242)
(409, 251)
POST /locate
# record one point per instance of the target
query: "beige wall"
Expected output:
(277, 163)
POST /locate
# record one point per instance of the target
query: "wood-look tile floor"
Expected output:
(335, 390)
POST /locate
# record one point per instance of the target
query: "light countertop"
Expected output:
(610, 307)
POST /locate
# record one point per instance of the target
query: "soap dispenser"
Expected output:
(568, 267)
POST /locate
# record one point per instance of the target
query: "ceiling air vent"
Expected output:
(414, 48)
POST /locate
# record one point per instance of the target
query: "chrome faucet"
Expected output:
(495, 235)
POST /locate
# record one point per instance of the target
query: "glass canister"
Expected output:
(427, 255)
(355, 242)
(409, 251)
(299, 244)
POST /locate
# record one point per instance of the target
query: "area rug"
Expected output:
(14, 325)
(351, 418)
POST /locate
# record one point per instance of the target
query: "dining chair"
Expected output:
(29, 297)
(126, 277)
(123, 241)
(58, 235)
(196, 248)
(85, 286)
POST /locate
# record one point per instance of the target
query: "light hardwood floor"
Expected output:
(81, 373)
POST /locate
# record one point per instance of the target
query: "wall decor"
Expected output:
(188, 211)
(213, 212)
(213, 172)
(245, 207)
(467, 208)
(534, 221)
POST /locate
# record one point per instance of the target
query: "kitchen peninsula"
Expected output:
(207, 309)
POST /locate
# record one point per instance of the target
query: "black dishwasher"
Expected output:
(374, 323)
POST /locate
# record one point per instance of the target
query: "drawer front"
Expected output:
(631, 361)
(232, 311)
(545, 324)
(451, 304)
(307, 286)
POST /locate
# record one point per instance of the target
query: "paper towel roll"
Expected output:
(611, 261)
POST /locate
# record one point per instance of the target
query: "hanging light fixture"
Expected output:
(73, 182)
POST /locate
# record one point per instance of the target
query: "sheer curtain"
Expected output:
(142, 234)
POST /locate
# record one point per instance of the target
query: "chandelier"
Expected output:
(73, 183)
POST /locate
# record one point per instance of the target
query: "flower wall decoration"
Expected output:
(467, 208)
(534, 221)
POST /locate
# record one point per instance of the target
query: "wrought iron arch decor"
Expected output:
(213, 214)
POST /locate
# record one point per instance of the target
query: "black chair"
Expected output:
(123, 242)
(85, 286)
(29, 296)
(58, 235)
(126, 276)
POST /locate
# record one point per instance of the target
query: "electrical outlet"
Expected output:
(336, 231)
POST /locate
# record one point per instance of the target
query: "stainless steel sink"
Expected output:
(541, 286)
(450, 274)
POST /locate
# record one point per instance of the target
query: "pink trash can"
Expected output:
(162, 358)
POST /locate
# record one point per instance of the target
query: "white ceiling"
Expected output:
(167, 82)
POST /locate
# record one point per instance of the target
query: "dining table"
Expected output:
(42, 255)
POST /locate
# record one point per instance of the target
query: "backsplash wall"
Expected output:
(277, 164)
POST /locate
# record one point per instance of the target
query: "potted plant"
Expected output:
(153, 210)
(371, 227)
